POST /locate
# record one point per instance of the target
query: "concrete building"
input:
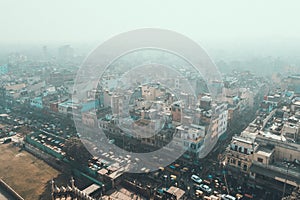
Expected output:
(205, 102)
(263, 160)
(67, 107)
(89, 119)
(175, 193)
(221, 114)
(294, 83)
(65, 53)
(117, 104)
(3, 69)
(71, 192)
(176, 111)
(268, 150)
(37, 102)
(107, 98)
(152, 92)
(192, 138)
(239, 154)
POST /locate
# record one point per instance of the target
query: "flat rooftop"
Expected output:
(264, 151)
(176, 191)
(91, 189)
(122, 194)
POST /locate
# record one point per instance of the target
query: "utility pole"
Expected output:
(284, 186)
(224, 173)
(226, 183)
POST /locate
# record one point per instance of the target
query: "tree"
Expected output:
(76, 151)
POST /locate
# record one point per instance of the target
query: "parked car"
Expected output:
(196, 179)
(227, 197)
(205, 188)
(173, 177)
(198, 193)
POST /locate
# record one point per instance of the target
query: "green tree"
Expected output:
(76, 151)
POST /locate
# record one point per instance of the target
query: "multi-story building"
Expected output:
(117, 104)
(263, 159)
(192, 138)
(276, 162)
(267, 150)
(37, 102)
(152, 92)
(221, 113)
(240, 153)
(3, 69)
(294, 83)
(176, 111)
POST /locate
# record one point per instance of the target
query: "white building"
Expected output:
(221, 113)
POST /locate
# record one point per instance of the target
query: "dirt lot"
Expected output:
(26, 174)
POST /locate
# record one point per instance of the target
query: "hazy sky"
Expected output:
(45, 21)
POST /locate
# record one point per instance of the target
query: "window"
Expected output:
(199, 145)
(193, 146)
(239, 163)
(235, 147)
(260, 160)
(240, 149)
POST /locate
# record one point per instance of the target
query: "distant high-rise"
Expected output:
(45, 52)
(65, 53)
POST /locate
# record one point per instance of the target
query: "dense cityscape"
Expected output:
(149, 100)
(255, 126)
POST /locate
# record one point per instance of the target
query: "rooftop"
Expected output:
(91, 189)
(176, 191)
(265, 151)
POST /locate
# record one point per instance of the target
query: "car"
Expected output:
(198, 193)
(196, 179)
(185, 169)
(165, 177)
(205, 188)
(239, 196)
(227, 197)
(206, 182)
(173, 177)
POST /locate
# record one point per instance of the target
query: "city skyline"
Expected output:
(149, 100)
